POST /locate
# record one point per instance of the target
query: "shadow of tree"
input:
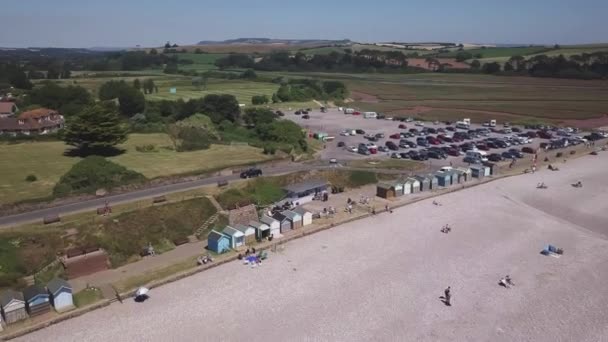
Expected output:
(85, 152)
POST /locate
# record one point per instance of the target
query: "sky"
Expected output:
(127, 23)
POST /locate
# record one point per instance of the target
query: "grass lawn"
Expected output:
(241, 89)
(87, 296)
(47, 162)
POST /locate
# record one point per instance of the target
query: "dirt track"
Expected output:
(380, 278)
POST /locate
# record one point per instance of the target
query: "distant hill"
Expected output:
(269, 41)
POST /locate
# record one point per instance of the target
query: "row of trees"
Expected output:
(305, 90)
(585, 66)
(359, 61)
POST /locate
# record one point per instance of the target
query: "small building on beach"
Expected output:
(386, 190)
(304, 192)
(284, 222)
(275, 225)
(262, 230)
(12, 306)
(61, 294)
(294, 218)
(37, 301)
(237, 238)
(464, 173)
(218, 242)
(479, 171)
(424, 182)
(248, 231)
(414, 184)
(443, 178)
(305, 214)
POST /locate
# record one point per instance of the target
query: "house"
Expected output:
(262, 230)
(284, 222)
(443, 178)
(248, 231)
(306, 215)
(61, 293)
(415, 185)
(295, 218)
(37, 301)
(218, 242)
(275, 225)
(7, 109)
(34, 122)
(424, 182)
(237, 238)
(13, 306)
(385, 190)
(479, 171)
(304, 192)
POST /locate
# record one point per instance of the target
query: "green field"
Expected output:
(492, 52)
(359, 47)
(47, 162)
(201, 58)
(241, 89)
(502, 55)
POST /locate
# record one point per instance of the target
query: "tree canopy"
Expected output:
(96, 130)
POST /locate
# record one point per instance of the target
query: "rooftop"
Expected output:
(56, 284)
(33, 291)
(215, 235)
(8, 295)
(232, 232)
(37, 113)
(306, 186)
(6, 107)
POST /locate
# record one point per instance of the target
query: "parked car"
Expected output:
(251, 172)
(341, 144)
(490, 144)
(305, 116)
(297, 112)
(382, 149)
(379, 135)
(471, 160)
(279, 113)
(450, 128)
(516, 153)
(409, 143)
(414, 131)
(516, 130)
(413, 154)
(395, 136)
(363, 151)
(395, 155)
(453, 152)
(501, 144)
(507, 155)
(431, 130)
(527, 149)
(360, 131)
(544, 135)
(402, 126)
(495, 157)
(422, 142)
(404, 155)
(482, 146)
(433, 154)
(353, 149)
(392, 146)
(371, 145)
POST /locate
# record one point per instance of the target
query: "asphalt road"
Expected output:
(92, 204)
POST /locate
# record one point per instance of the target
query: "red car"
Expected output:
(402, 126)
(483, 147)
(372, 150)
(453, 152)
(395, 136)
(356, 113)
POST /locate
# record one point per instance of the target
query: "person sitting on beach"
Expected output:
(509, 281)
(503, 282)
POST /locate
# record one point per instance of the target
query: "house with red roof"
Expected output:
(34, 122)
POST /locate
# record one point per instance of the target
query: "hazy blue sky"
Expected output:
(76, 23)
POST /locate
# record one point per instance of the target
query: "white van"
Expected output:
(348, 111)
(481, 155)
(370, 115)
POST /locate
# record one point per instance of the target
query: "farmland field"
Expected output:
(499, 52)
(47, 162)
(242, 90)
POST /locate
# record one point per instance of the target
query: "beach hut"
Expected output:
(262, 230)
(433, 182)
(37, 300)
(478, 171)
(425, 183)
(275, 225)
(306, 215)
(464, 173)
(415, 184)
(218, 242)
(399, 189)
(406, 184)
(454, 176)
(295, 218)
(443, 178)
(13, 306)
(247, 230)
(284, 222)
(385, 190)
(492, 168)
(61, 294)
(237, 238)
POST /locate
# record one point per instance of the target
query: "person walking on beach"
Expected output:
(448, 296)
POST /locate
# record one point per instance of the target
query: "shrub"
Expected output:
(559, 155)
(31, 178)
(146, 148)
(93, 173)
(360, 178)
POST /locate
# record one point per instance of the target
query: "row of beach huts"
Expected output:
(35, 300)
(268, 226)
(432, 181)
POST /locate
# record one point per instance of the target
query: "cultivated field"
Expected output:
(381, 278)
(47, 162)
(519, 98)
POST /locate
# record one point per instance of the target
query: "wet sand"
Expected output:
(380, 278)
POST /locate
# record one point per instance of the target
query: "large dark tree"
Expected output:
(131, 101)
(96, 130)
